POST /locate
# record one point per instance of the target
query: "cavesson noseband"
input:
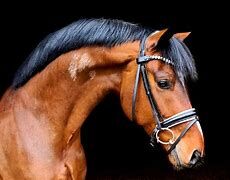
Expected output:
(188, 115)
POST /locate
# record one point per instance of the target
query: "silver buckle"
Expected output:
(171, 141)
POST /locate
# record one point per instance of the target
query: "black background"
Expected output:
(115, 147)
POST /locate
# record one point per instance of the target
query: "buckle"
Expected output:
(170, 140)
(141, 59)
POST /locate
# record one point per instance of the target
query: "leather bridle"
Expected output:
(162, 124)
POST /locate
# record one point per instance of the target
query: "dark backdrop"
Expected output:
(115, 147)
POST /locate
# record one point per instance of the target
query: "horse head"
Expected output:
(154, 86)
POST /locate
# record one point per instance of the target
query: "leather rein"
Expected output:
(162, 124)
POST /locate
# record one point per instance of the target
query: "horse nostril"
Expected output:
(196, 156)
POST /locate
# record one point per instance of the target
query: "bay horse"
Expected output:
(71, 71)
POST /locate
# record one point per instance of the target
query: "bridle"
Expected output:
(188, 115)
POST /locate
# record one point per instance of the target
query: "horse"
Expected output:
(71, 71)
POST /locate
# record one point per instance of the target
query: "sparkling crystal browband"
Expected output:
(148, 58)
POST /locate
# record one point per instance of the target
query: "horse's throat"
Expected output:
(90, 97)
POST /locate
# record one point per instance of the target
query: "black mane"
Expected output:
(101, 32)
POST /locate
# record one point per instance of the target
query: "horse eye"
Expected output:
(164, 84)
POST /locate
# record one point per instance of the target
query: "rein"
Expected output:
(162, 124)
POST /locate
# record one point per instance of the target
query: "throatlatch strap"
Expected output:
(135, 92)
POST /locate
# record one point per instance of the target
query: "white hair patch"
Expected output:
(92, 74)
(78, 63)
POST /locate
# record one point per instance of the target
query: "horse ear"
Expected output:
(154, 38)
(181, 36)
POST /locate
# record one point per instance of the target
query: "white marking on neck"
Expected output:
(73, 67)
(92, 74)
(78, 63)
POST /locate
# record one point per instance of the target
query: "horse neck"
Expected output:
(68, 89)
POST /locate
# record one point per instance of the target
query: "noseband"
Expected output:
(162, 124)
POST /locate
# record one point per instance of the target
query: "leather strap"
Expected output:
(135, 92)
(179, 118)
(149, 94)
(182, 135)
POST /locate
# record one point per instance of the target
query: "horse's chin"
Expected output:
(178, 166)
(181, 160)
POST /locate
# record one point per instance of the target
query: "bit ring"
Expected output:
(170, 141)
